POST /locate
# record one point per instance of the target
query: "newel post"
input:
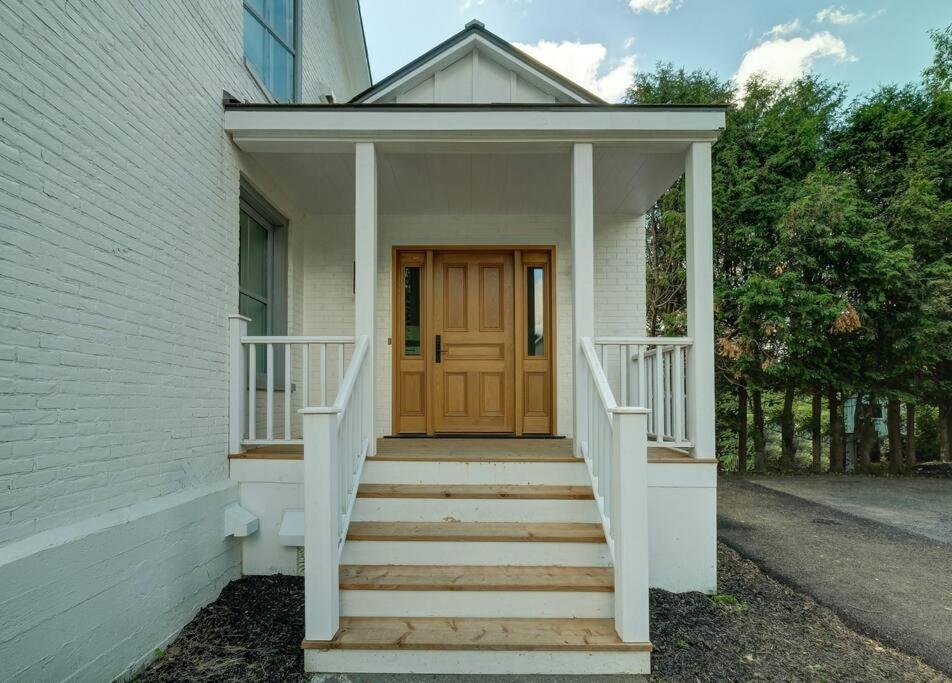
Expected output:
(237, 381)
(321, 524)
(629, 522)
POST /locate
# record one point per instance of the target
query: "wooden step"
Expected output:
(476, 491)
(473, 456)
(475, 578)
(476, 532)
(435, 633)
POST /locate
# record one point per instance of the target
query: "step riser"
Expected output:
(493, 604)
(522, 663)
(476, 553)
(469, 510)
(548, 473)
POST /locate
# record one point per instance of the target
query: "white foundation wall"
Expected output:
(328, 275)
(118, 266)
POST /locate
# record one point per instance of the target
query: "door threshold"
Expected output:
(475, 436)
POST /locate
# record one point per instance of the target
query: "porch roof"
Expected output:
(330, 127)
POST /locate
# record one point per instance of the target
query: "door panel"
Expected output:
(474, 377)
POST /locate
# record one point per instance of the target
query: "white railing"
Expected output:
(650, 372)
(613, 441)
(337, 439)
(267, 414)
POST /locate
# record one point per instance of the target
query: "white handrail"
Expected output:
(337, 440)
(651, 372)
(265, 390)
(614, 444)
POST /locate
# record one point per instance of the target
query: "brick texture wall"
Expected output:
(118, 246)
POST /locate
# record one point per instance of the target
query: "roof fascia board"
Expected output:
(546, 124)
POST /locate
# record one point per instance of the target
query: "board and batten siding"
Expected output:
(118, 266)
(327, 254)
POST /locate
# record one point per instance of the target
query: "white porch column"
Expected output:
(365, 255)
(583, 274)
(700, 299)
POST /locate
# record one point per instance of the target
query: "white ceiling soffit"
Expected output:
(485, 49)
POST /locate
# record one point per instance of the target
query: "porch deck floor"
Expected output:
(538, 450)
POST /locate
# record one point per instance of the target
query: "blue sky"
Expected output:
(600, 43)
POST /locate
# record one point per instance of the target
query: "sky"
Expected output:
(601, 44)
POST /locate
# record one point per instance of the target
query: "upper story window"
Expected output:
(270, 44)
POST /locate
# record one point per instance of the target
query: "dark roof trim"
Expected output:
(363, 38)
(475, 27)
(350, 106)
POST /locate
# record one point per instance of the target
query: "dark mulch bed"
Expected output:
(756, 628)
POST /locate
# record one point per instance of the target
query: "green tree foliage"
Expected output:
(833, 244)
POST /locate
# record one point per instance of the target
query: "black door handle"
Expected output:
(439, 348)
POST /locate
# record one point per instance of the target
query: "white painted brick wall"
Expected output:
(118, 212)
(328, 300)
(118, 265)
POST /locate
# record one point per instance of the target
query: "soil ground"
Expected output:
(756, 628)
(829, 538)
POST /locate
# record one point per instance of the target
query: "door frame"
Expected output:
(519, 332)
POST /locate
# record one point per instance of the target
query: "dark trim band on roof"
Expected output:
(292, 106)
(472, 28)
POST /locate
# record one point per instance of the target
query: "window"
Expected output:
(411, 311)
(535, 311)
(270, 44)
(262, 271)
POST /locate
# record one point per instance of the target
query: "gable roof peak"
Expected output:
(475, 23)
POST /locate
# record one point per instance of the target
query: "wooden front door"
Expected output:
(462, 362)
(473, 366)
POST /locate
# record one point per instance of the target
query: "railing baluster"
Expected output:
(340, 365)
(642, 378)
(659, 393)
(305, 375)
(269, 402)
(252, 390)
(323, 374)
(624, 357)
(679, 393)
(287, 392)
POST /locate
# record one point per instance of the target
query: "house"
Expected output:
(389, 335)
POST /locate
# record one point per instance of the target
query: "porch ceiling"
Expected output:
(627, 180)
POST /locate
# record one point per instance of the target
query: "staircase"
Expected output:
(476, 556)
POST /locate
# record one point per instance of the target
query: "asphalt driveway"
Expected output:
(878, 552)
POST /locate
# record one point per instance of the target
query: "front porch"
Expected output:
(629, 494)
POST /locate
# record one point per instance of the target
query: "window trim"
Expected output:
(296, 70)
(255, 205)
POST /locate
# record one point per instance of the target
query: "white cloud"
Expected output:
(655, 6)
(582, 63)
(467, 5)
(838, 15)
(629, 41)
(784, 29)
(786, 59)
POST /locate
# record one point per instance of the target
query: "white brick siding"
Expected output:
(118, 265)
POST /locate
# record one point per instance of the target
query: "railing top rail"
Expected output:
(598, 374)
(296, 340)
(646, 341)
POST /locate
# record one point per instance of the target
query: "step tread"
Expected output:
(476, 491)
(433, 633)
(474, 456)
(574, 532)
(476, 578)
